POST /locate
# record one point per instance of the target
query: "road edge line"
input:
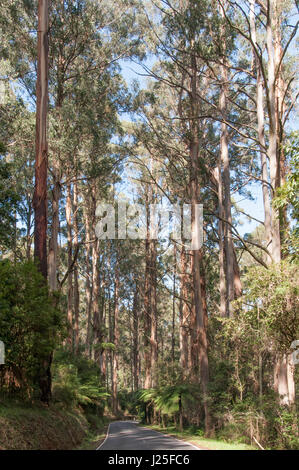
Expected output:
(98, 448)
(169, 435)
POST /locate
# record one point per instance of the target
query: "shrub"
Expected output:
(30, 324)
(76, 381)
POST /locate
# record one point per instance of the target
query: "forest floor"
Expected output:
(199, 441)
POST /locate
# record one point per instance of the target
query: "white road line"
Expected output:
(168, 435)
(98, 448)
(107, 435)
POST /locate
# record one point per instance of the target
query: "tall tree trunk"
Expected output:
(96, 327)
(222, 283)
(173, 306)
(199, 338)
(111, 333)
(102, 329)
(261, 133)
(135, 340)
(147, 307)
(41, 144)
(116, 343)
(153, 310)
(280, 90)
(225, 164)
(76, 273)
(95, 298)
(56, 175)
(273, 129)
(184, 313)
(53, 242)
(70, 291)
(41, 162)
(88, 279)
(283, 379)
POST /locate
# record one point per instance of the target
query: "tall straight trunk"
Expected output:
(263, 157)
(280, 87)
(173, 305)
(53, 242)
(224, 156)
(111, 332)
(280, 90)
(197, 312)
(102, 329)
(261, 134)
(287, 363)
(70, 291)
(96, 320)
(184, 312)
(153, 309)
(273, 129)
(116, 343)
(147, 307)
(76, 272)
(135, 340)
(96, 330)
(88, 278)
(56, 175)
(283, 376)
(203, 291)
(41, 144)
(199, 337)
(41, 163)
(222, 283)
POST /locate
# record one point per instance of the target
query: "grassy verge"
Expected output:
(202, 442)
(96, 434)
(28, 427)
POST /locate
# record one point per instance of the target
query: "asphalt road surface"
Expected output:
(126, 435)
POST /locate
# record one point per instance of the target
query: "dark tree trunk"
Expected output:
(41, 163)
(41, 144)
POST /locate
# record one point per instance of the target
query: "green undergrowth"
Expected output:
(34, 427)
(97, 430)
(196, 439)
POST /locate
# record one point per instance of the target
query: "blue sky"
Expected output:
(130, 72)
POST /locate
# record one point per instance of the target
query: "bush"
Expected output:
(76, 381)
(30, 325)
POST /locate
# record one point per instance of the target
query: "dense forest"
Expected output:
(107, 107)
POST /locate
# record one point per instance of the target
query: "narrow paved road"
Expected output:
(126, 435)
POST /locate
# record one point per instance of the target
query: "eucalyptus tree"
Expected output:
(268, 30)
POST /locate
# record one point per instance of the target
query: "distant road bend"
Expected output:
(126, 435)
